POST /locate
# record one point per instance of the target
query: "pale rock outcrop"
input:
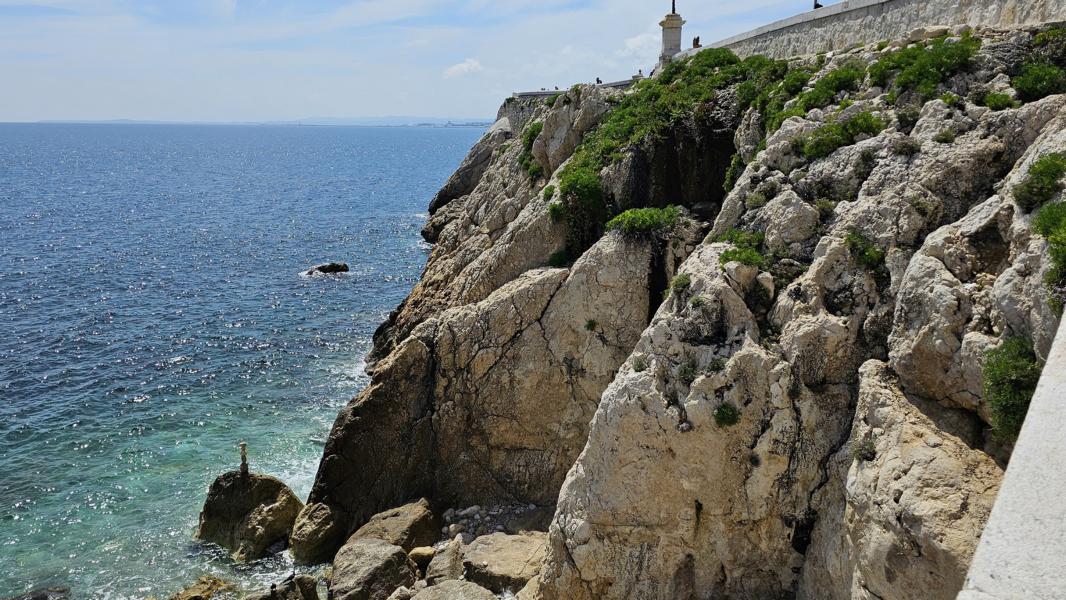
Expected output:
(574, 114)
(407, 526)
(505, 563)
(466, 177)
(316, 534)
(917, 492)
(205, 588)
(247, 513)
(369, 569)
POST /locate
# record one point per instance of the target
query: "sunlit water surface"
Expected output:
(153, 316)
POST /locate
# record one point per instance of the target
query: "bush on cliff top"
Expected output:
(644, 222)
(922, 68)
(1043, 181)
(1011, 374)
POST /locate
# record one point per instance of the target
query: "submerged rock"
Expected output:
(247, 514)
(370, 569)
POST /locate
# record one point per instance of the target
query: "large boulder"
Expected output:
(205, 588)
(247, 514)
(301, 587)
(505, 563)
(408, 526)
(447, 563)
(369, 569)
(455, 590)
(316, 535)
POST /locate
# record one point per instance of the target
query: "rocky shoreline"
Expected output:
(767, 376)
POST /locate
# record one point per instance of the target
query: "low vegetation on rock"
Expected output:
(924, 67)
(1011, 375)
(830, 137)
(1043, 181)
(644, 222)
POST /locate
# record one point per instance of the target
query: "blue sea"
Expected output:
(153, 315)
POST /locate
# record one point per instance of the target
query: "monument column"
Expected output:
(671, 24)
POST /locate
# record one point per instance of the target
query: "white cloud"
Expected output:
(468, 66)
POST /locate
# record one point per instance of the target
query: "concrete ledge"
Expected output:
(1022, 554)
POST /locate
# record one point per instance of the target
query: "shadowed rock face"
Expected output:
(301, 587)
(247, 514)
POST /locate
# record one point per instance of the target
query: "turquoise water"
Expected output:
(153, 316)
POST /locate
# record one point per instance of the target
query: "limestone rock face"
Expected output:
(917, 492)
(301, 587)
(408, 526)
(369, 569)
(205, 588)
(505, 563)
(247, 514)
(316, 534)
(575, 113)
(455, 590)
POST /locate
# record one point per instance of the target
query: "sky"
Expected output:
(285, 60)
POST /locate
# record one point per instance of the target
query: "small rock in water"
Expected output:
(328, 269)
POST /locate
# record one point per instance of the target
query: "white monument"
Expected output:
(671, 25)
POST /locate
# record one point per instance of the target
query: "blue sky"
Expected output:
(260, 60)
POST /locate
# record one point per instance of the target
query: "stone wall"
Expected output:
(867, 21)
(1022, 554)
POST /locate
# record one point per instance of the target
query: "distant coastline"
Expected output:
(316, 122)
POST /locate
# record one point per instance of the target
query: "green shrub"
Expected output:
(747, 256)
(550, 100)
(1042, 182)
(639, 365)
(997, 101)
(1050, 222)
(832, 136)
(687, 372)
(755, 200)
(590, 325)
(1011, 374)
(847, 77)
(717, 365)
(735, 170)
(644, 222)
(865, 252)
(906, 146)
(945, 136)
(864, 451)
(681, 283)
(549, 192)
(1051, 45)
(530, 135)
(726, 415)
(697, 301)
(742, 239)
(559, 259)
(923, 68)
(826, 208)
(1039, 80)
(556, 212)
(953, 100)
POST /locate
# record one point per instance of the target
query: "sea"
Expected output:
(153, 315)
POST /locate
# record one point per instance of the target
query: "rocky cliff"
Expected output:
(736, 325)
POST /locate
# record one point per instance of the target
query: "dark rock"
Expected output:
(327, 269)
(408, 526)
(247, 514)
(301, 587)
(369, 569)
